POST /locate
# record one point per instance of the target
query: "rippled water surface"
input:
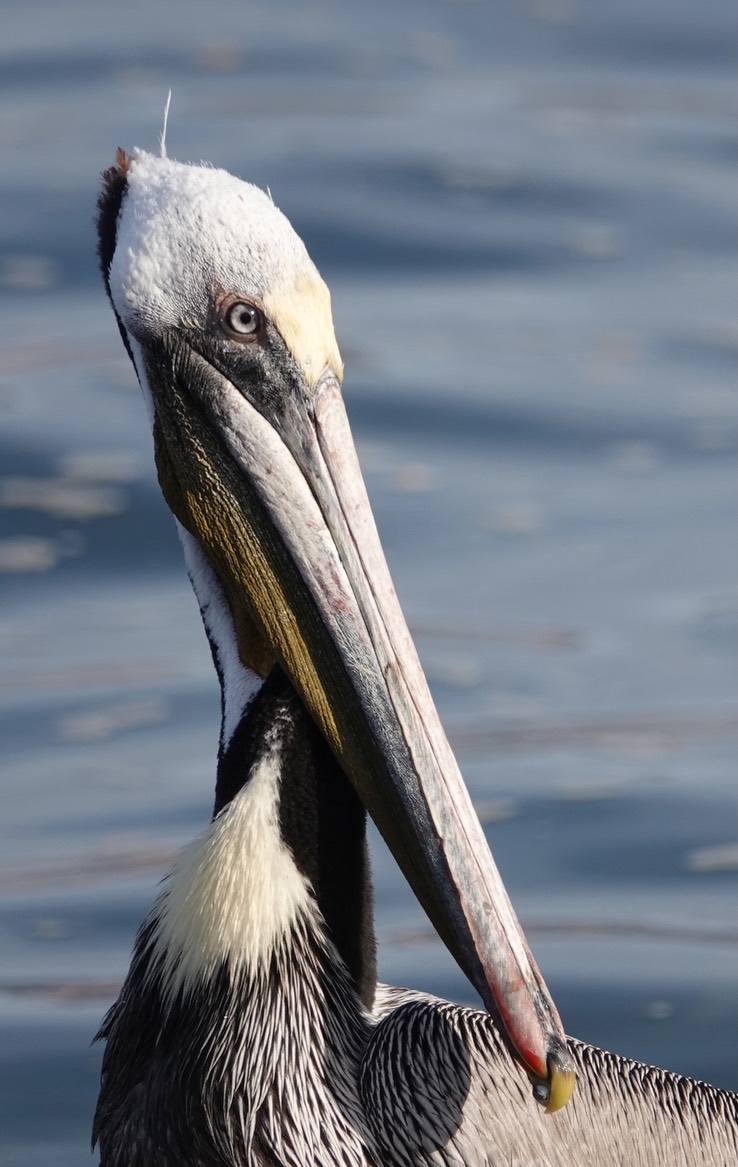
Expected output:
(526, 213)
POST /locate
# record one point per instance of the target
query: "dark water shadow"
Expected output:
(558, 430)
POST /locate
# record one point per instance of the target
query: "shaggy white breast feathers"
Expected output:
(233, 895)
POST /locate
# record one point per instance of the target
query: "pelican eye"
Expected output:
(241, 319)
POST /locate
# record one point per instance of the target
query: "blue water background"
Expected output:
(526, 214)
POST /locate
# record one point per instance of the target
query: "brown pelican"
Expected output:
(250, 1029)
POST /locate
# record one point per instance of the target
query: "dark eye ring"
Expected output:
(241, 319)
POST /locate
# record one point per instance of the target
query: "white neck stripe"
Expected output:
(239, 684)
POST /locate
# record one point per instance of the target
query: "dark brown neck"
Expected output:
(321, 818)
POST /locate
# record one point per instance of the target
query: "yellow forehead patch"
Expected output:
(302, 313)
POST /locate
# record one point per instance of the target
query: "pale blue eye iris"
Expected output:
(242, 318)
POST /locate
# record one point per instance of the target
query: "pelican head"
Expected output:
(229, 326)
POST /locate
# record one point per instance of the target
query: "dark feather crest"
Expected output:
(115, 181)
